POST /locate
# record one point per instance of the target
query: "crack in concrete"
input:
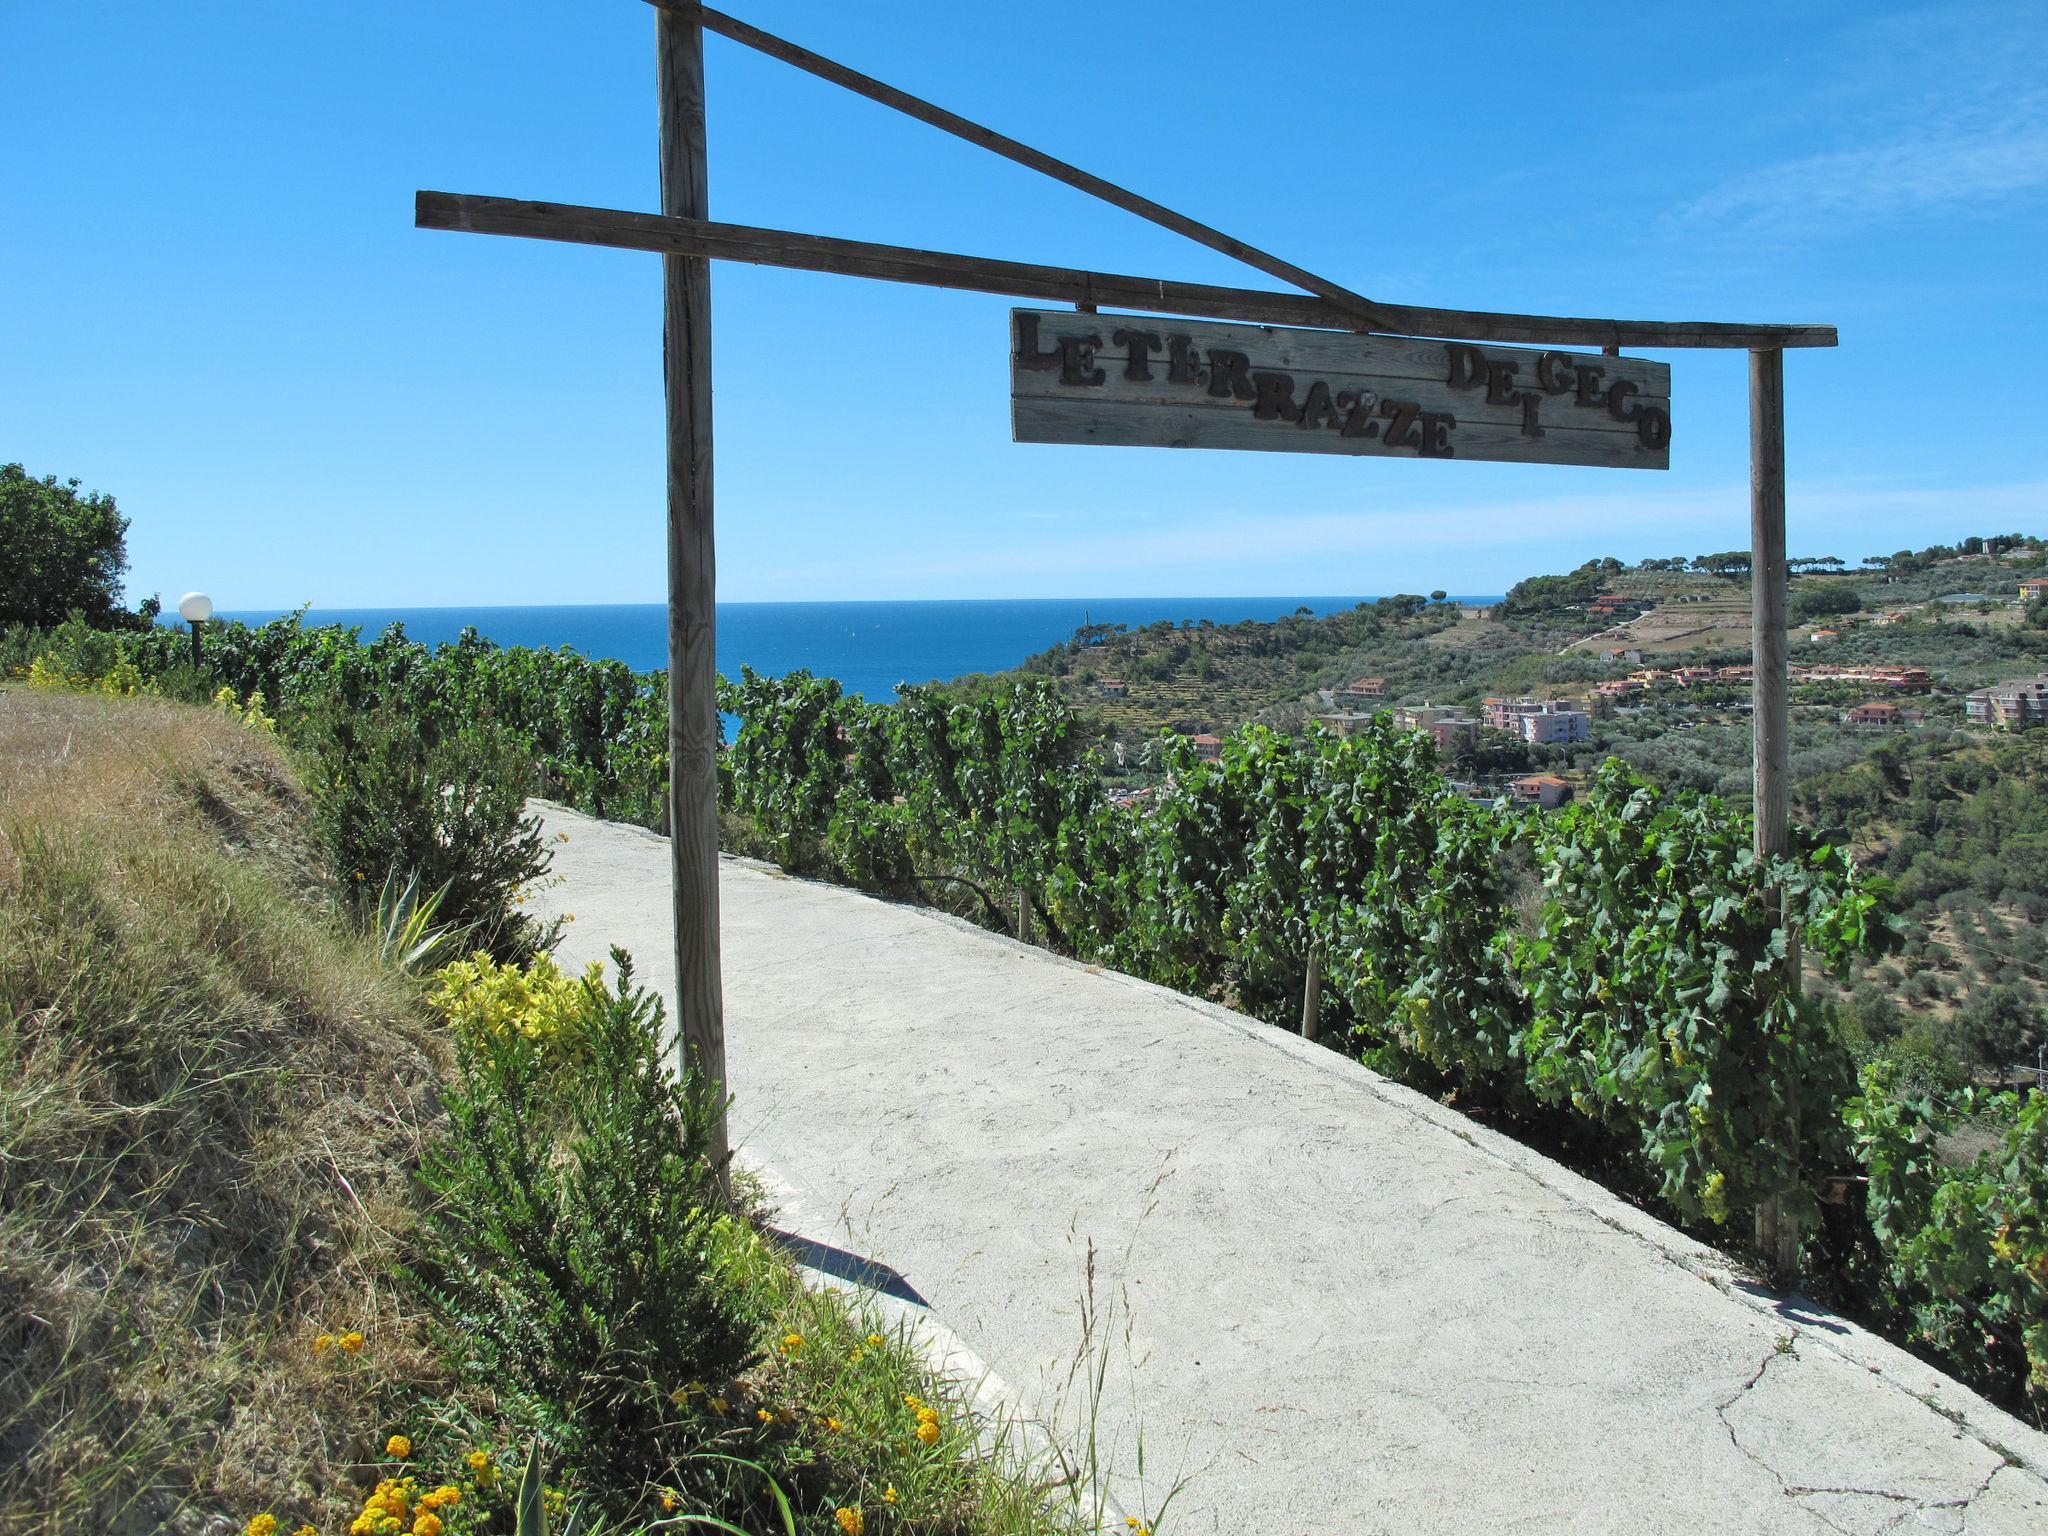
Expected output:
(1913, 1503)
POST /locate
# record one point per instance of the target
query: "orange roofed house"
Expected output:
(1546, 791)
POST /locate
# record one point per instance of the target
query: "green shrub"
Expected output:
(578, 1249)
(444, 804)
(1964, 1250)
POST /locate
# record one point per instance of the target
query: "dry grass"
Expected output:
(209, 1100)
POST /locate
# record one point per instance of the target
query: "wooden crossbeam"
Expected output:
(940, 269)
(1356, 305)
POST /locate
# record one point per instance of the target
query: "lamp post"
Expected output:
(195, 608)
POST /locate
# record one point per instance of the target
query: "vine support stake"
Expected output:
(1777, 1229)
(693, 725)
(1312, 993)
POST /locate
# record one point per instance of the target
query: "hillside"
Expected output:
(1953, 611)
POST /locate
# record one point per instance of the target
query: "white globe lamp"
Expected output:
(195, 608)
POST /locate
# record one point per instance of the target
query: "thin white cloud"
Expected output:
(1883, 116)
(1970, 161)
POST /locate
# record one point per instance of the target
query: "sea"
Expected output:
(870, 647)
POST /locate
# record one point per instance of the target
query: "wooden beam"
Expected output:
(693, 723)
(481, 215)
(1356, 305)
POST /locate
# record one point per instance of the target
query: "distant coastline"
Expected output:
(870, 647)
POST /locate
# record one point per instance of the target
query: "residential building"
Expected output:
(1344, 722)
(1546, 791)
(1882, 715)
(1362, 689)
(1555, 725)
(1112, 687)
(1453, 732)
(2033, 589)
(2010, 706)
(1208, 748)
(1446, 727)
(1538, 720)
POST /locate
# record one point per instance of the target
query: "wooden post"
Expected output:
(1777, 1233)
(693, 725)
(1312, 993)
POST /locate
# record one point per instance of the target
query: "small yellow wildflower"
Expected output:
(305, 1530)
(764, 1415)
(428, 1524)
(889, 1494)
(912, 1400)
(875, 1341)
(668, 1502)
(351, 1343)
(850, 1521)
(928, 1432)
(399, 1446)
(834, 1425)
(854, 1357)
(262, 1525)
(478, 1460)
(442, 1497)
(323, 1344)
(792, 1343)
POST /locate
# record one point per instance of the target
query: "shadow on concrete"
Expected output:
(869, 1274)
(1794, 1308)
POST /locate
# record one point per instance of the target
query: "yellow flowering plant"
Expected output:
(539, 1001)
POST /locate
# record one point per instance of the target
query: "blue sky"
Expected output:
(215, 305)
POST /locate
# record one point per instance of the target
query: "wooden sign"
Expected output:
(1140, 381)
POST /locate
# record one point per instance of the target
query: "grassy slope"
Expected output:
(212, 1102)
(190, 1056)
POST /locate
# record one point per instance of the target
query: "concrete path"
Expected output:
(1331, 1305)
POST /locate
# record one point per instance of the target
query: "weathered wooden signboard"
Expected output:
(1137, 381)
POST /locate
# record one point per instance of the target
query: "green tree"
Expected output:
(59, 551)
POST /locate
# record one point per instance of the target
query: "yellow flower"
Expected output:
(305, 1530)
(927, 1415)
(351, 1342)
(478, 1460)
(764, 1415)
(854, 1358)
(792, 1343)
(442, 1497)
(262, 1525)
(398, 1446)
(323, 1344)
(928, 1432)
(850, 1521)
(875, 1341)
(428, 1524)
(889, 1494)
(912, 1400)
(668, 1502)
(833, 1424)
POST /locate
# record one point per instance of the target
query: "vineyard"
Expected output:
(1610, 981)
